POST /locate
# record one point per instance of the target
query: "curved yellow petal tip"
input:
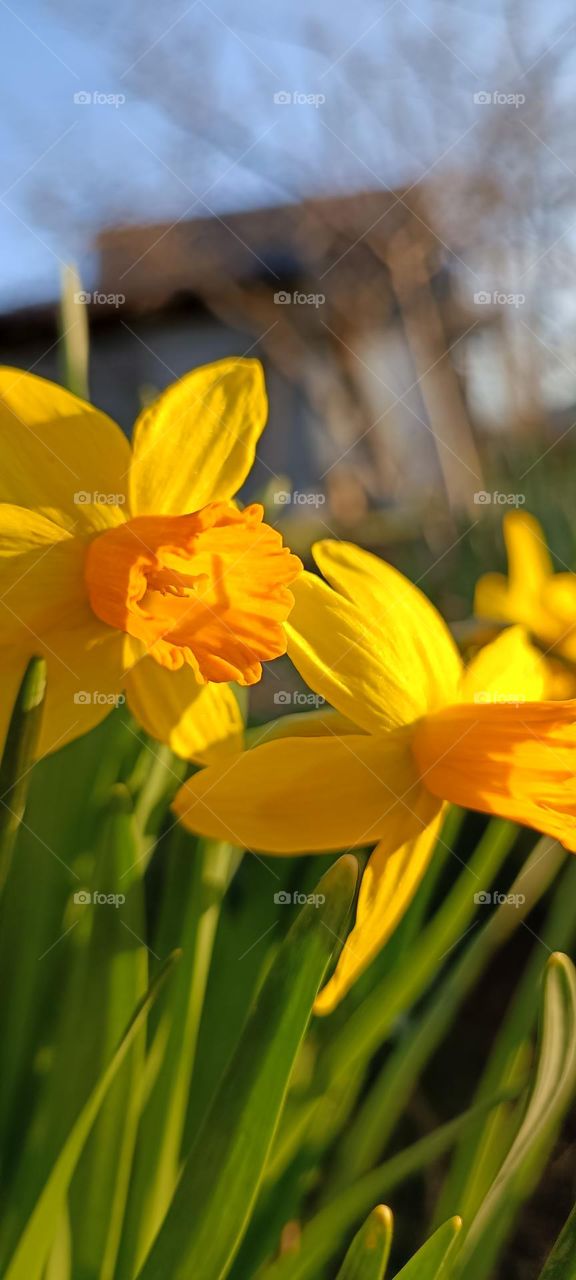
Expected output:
(322, 1005)
(525, 519)
(456, 1222)
(316, 547)
(197, 441)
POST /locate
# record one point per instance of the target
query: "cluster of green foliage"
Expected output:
(169, 1109)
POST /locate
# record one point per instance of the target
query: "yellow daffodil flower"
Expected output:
(410, 731)
(130, 568)
(532, 594)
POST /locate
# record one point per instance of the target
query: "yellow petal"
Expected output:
(521, 597)
(41, 572)
(529, 561)
(559, 595)
(558, 599)
(388, 885)
(510, 669)
(383, 661)
(196, 443)
(414, 643)
(517, 762)
(59, 454)
(87, 665)
(335, 649)
(86, 674)
(492, 598)
(303, 795)
(44, 610)
(199, 722)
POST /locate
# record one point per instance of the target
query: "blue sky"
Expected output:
(70, 168)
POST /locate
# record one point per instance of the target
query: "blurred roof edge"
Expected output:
(152, 266)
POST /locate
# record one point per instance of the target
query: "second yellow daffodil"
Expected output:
(532, 594)
(411, 731)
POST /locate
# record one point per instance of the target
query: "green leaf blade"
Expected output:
(552, 1091)
(34, 1246)
(429, 1262)
(220, 1180)
(561, 1263)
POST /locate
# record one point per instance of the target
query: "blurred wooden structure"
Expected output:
(359, 314)
(351, 301)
